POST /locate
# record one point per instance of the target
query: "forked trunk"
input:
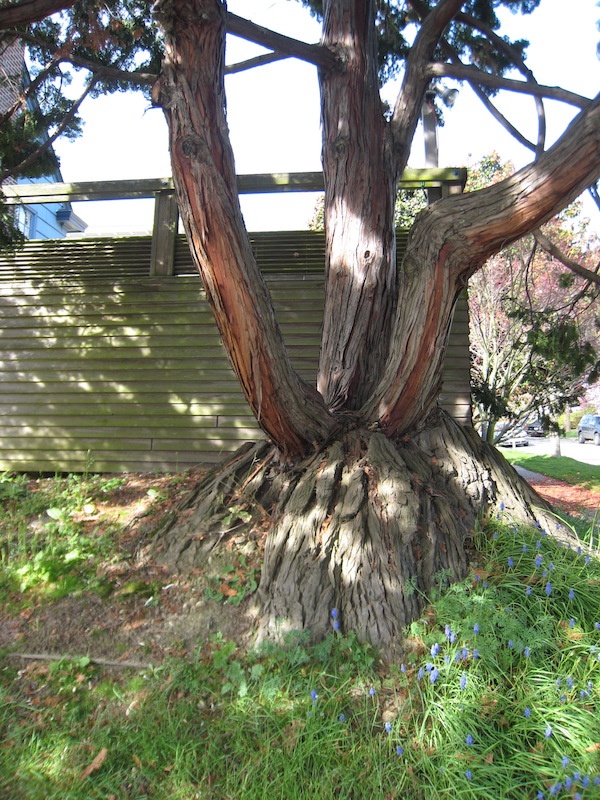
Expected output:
(369, 494)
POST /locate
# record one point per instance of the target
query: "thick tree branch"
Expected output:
(407, 109)
(473, 75)
(524, 201)
(31, 11)
(192, 93)
(314, 53)
(549, 246)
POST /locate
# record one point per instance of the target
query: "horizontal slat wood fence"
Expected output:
(109, 369)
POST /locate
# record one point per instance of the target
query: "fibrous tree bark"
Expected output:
(371, 492)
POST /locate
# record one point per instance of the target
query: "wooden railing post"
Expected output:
(164, 233)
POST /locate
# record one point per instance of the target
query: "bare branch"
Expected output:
(546, 244)
(517, 60)
(473, 75)
(31, 11)
(259, 61)
(46, 145)
(422, 10)
(313, 53)
(408, 104)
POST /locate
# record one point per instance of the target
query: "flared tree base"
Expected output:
(367, 525)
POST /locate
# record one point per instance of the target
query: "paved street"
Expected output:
(587, 453)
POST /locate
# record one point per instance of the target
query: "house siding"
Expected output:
(109, 369)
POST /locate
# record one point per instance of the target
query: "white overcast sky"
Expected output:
(273, 114)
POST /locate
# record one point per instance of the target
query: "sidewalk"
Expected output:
(573, 499)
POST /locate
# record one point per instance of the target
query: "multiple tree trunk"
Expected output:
(372, 494)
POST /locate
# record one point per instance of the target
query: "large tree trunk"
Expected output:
(360, 194)
(367, 525)
(370, 495)
(192, 94)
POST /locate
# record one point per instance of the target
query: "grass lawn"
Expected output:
(564, 469)
(498, 696)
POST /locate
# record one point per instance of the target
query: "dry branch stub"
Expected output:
(367, 525)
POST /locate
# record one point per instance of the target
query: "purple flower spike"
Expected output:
(548, 732)
(548, 589)
(314, 696)
(388, 727)
(399, 750)
(434, 675)
(538, 560)
(463, 681)
(510, 562)
(571, 594)
(469, 775)
(527, 712)
(469, 740)
(476, 629)
(565, 762)
(571, 623)
(334, 613)
(528, 591)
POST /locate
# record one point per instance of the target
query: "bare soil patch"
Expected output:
(151, 612)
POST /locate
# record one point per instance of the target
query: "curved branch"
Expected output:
(422, 10)
(29, 90)
(521, 203)
(464, 72)
(517, 60)
(408, 104)
(313, 53)
(549, 246)
(27, 11)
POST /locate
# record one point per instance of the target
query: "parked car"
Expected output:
(589, 428)
(535, 428)
(515, 438)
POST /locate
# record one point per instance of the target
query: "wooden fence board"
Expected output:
(105, 367)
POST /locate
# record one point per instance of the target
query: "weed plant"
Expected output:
(44, 544)
(498, 697)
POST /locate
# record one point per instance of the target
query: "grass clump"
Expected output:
(499, 696)
(559, 467)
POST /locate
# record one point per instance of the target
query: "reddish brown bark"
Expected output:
(449, 243)
(191, 92)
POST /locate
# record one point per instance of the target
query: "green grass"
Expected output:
(562, 468)
(499, 698)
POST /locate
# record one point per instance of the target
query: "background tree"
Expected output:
(534, 328)
(370, 491)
